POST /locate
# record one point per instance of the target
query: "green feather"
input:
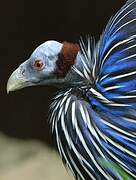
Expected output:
(115, 168)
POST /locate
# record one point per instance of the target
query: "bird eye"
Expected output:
(38, 64)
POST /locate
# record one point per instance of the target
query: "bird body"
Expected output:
(93, 119)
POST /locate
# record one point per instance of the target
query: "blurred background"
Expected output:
(26, 150)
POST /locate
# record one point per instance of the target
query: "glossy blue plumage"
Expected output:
(93, 120)
(100, 123)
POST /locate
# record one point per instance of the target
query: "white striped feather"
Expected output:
(87, 120)
(87, 56)
(66, 159)
(112, 88)
(123, 17)
(105, 100)
(120, 162)
(105, 138)
(89, 152)
(130, 120)
(65, 129)
(75, 124)
(82, 160)
(119, 14)
(127, 23)
(128, 57)
(117, 45)
(78, 71)
(59, 114)
(124, 97)
(119, 130)
(90, 126)
(124, 75)
(123, 149)
(64, 101)
(75, 166)
(71, 143)
(67, 104)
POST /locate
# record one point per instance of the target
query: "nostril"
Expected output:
(22, 70)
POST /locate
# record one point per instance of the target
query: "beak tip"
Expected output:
(8, 88)
(8, 91)
(11, 84)
(16, 81)
(13, 81)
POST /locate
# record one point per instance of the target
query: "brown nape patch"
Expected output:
(66, 58)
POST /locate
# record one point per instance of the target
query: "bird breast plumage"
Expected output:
(95, 125)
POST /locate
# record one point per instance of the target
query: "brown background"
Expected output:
(24, 25)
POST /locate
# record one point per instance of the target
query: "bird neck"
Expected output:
(75, 76)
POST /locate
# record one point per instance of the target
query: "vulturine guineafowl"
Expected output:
(93, 117)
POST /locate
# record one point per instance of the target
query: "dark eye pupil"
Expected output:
(38, 64)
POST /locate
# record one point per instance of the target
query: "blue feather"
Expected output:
(101, 122)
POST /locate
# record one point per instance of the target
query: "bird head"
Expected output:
(50, 63)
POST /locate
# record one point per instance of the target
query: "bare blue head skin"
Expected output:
(40, 67)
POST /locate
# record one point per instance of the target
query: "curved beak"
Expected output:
(16, 81)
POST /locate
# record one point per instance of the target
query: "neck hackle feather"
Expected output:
(95, 122)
